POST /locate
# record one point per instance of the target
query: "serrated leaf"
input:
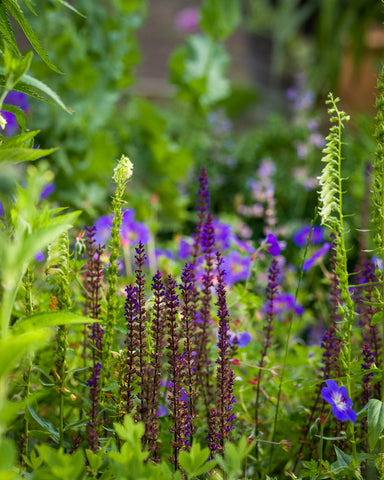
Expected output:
(375, 421)
(93, 459)
(36, 89)
(48, 319)
(6, 31)
(44, 424)
(194, 460)
(16, 12)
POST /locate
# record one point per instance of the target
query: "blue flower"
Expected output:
(316, 257)
(339, 400)
(299, 238)
(271, 245)
(242, 339)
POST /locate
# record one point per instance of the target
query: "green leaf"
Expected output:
(54, 433)
(6, 32)
(19, 114)
(7, 455)
(16, 12)
(68, 5)
(48, 319)
(198, 69)
(195, 462)
(15, 68)
(93, 459)
(37, 89)
(13, 348)
(219, 18)
(17, 155)
(375, 421)
(343, 460)
(377, 318)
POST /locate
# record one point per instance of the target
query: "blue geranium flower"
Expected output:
(271, 245)
(299, 238)
(339, 400)
(316, 257)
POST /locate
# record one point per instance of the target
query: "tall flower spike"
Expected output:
(225, 374)
(122, 173)
(330, 179)
(131, 348)
(179, 427)
(272, 288)
(202, 208)
(188, 320)
(154, 370)
(202, 336)
(141, 330)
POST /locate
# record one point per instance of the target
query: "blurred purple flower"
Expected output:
(18, 99)
(47, 190)
(39, 256)
(1, 210)
(299, 238)
(339, 400)
(103, 227)
(185, 249)
(271, 245)
(285, 302)
(316, 257)
(131, 232)
(187, 20)
(223, 235)
(236, 267)
(243, 339)
(162, 411)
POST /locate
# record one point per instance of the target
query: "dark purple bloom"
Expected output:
(299, 238)
(47, 190)
(271, 245)
(316, 257)
(242, 339)
(237, 267)
(2, 212)
(339, 400)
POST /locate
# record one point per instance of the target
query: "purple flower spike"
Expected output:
(339, 400)
(271, 245)
(299, 238)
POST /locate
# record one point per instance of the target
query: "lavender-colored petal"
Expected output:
(47, 190)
